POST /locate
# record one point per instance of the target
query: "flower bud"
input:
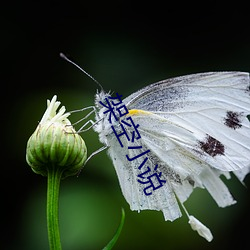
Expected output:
(55, 144)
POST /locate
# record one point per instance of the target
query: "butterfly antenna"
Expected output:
(86, 73)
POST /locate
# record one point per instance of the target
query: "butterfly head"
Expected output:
(104, 119)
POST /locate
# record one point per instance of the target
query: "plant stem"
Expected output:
(54, 177)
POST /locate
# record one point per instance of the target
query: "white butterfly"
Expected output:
(196, 129)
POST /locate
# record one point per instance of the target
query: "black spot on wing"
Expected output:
(233, 119)
(190, 181)
(248, 89)
(212, 146)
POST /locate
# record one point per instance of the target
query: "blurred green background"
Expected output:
(125, 47)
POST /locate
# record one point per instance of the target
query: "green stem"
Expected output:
(54, 177)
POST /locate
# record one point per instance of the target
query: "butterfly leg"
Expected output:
(96, 152)
(86, 116)
(92, 154)
(83, 127)
(83, 109)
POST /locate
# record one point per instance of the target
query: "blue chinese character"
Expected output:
(137, 156)
(149, 180)
(134, 126)
(124, 132)
(122, 110)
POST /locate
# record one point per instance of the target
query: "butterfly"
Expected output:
(196, 128)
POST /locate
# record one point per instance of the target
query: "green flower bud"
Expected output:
(55, 144)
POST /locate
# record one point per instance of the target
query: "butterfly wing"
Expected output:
(212, 106)
(181, 170)
(127, 171)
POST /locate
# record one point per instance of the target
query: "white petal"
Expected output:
(51, 114)
(200, 228)
(50, 109)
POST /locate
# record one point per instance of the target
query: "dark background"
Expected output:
(125, 45)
